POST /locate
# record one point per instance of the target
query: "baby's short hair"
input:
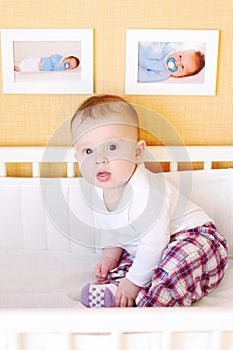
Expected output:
(76, 60)
(100, 106)
(201, 57)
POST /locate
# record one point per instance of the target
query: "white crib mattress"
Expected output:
(42, 279)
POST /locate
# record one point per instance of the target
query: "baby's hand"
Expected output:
(126, 293)
(103, 267)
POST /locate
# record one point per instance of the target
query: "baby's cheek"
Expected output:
(88, 170)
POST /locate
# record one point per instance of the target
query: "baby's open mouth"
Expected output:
(103, 176)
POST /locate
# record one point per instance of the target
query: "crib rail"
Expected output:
(118, 329)
(170, 154)
(36, 156)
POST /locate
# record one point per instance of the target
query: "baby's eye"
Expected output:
(112, 147)
(88, 151)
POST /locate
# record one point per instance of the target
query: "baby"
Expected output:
(158, 61)
(158, 248)
(51, 63)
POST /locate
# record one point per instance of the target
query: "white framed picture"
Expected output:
(171, 62)
(47, 61)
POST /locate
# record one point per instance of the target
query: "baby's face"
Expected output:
(187, 62)
(107, 154)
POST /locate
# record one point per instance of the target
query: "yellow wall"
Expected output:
(200, 120)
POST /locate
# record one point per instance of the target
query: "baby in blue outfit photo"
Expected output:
(51, 63)
(157, 61)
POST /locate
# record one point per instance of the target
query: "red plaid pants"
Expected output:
(191, 266)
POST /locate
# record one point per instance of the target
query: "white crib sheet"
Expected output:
(42, 279)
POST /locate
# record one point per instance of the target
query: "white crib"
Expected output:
(43, 270)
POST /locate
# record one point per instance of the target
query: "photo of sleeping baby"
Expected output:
(52, 63)
(170, 61)
(43, 61)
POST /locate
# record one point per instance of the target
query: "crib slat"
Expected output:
(207, 165)
(173, 166)
(70, 169)
(65, 341)
(35, 169)
(166, 340)
(2, 169)
(14, 342)
(216, 338)
(116, 341)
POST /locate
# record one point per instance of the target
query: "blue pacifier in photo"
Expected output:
(66, 65)
(171, 64)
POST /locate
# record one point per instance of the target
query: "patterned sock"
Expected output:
(98, 295)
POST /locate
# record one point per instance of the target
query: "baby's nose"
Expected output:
(101, 161)
(101, 158)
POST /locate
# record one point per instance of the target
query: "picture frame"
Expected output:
(143, 45)
(21, 44)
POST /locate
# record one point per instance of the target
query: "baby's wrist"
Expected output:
(110, 259)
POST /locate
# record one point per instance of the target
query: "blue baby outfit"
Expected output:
(151, 58)
(52, 63)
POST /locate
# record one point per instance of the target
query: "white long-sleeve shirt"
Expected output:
(150, 211)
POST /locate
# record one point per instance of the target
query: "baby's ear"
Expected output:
(141, 145)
